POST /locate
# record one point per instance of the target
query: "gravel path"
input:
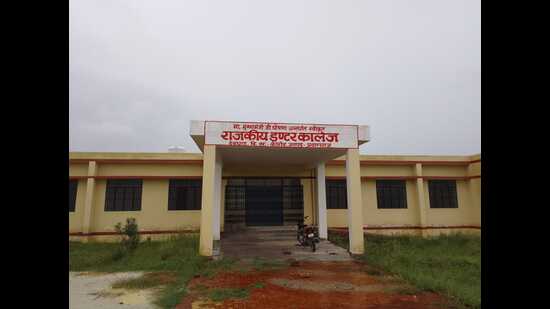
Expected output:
(93, 290)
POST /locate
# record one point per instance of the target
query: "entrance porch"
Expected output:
(263, 185)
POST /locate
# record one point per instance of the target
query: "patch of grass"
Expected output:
(448, 264)
(258, 285)
(214, 267)
(406, 290)
(219, 294)
(178, 255)
(148, 280)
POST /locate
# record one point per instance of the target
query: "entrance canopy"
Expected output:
(277, 144)
(248, 144)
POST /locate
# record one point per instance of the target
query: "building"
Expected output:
(273, 174)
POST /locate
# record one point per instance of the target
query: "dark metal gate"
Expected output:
(263, 201)
(264, 205)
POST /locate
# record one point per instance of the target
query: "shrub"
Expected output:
(119, 253)
(129, 234)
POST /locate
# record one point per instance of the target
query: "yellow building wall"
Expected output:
(475, 189)
(465, 214)
(154, 214)
(335, 171)
(150, 170)
(265, 171)
(372, 216)
(309, 200)
(388, 170)
(337, 218)
(434, 170)
(78, 169)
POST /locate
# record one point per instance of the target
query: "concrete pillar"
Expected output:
(217, 199)
(420, 193)
(89, 198)
(474, 186)
(222, 204)
(208, 200)
(355, 203)
(321, 201)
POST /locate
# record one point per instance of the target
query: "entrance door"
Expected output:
(264, 205)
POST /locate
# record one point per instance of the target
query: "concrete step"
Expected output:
(267, 243)
(271, 228)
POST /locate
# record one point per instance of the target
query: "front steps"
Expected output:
(276, 242)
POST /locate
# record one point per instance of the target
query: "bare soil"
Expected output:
(308, 284)
(90, 290)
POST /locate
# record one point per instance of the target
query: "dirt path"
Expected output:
(93, 290)
(312, 285)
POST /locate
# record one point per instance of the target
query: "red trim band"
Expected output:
(331, 162)
(408, 177)
(140, 232)
(273, 177)
(397, 162)
(135, 177)
(411, 227)
(136, 161)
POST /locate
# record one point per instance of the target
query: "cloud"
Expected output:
(140, 70)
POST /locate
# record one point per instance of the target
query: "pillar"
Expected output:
(208, 200)
(474, 186)
(89, 198)
(355, 203)
(420, 193)
(222, 205)
(217, 199)
(321, 201)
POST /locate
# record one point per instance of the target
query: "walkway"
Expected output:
(276, 243)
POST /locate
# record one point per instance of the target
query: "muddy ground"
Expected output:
(308, 284)
(90, 290)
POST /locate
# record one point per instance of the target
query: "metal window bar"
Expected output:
(185, 194)
(123, 195)
(391, 194)
(336, 191)
(73, 186)
(443, 194)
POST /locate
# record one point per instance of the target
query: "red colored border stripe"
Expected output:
(154, 177)
(331, 162)
(408, 177)
(410, 227)
(149, 177)
(140, 232)
(398, 162)
(136, 161)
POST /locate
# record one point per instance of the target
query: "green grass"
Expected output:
(448, 264)
(219, 294)
(148, 280)
(178, 255)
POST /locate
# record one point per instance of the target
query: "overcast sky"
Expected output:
(141, 70)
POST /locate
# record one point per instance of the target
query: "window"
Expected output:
(185, 194)
(73, 186)
(123, 195)
(337, 195)
(443, 194)
(391, 194)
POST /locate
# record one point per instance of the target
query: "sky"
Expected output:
(139, 71)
